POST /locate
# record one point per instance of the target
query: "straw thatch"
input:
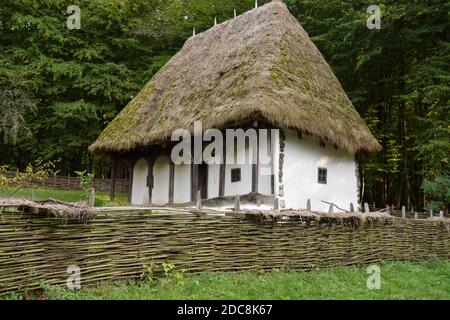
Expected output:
(50, 208)
(348, 218)
(259, 66)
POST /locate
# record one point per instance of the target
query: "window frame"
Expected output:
(236, 175)
(322, 175)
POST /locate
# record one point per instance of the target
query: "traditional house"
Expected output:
(258, 70)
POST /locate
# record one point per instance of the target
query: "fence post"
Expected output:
(308, 205)
(366, 208)
(237, 203)
(92, 198)
(403, 212)
(331, 209)
(388, 210)
(441, 214)
(431, 213)
(258, 201)
(199, 200)
(352, 207)
(416, 215)
(276, 205)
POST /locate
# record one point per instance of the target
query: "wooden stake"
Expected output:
(331, 209)
(276, 205)
(366, 208)
(403, 212)
(199, 200)
(308, 205)
(352, 207)
(431, 213)
(92, 198)
(416, 215)
(441, 214)
(258, 201)
(237, 204)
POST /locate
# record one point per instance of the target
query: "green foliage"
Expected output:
(86, 179)
(399, 280)
(33, 175)
(398, 79)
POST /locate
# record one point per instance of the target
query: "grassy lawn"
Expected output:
(426, 280)
(101, 198)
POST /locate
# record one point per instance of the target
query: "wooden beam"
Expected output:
(171, 181)
(112, 194)
(193, 176)
(222, 173)
(131, 165)
(255, 167)
(150, 178)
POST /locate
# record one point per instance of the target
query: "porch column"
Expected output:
(112, 194)
(255, 167)
(171, 181)
(150, 179)
(131, 164)
(223, 171)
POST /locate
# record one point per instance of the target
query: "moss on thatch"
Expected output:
(260, 64)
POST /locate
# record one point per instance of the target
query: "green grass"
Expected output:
(101, 198)
(426, 280)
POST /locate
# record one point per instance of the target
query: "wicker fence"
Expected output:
(73, 183)
(121, 246)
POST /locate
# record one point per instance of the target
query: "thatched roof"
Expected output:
(259, 66)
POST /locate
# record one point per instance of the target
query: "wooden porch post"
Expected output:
(150, 179)
(112, 194)
(171, 181)
(223, 171)
(255, 167)
(131, 165)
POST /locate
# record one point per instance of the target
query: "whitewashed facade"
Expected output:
(301, 168)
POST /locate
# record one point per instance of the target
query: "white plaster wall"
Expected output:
(245, 185)
(303, 157)
(140, 189)
(182, 185)
(276, 159)
(213, 180)
(266, 169)
(161, 173)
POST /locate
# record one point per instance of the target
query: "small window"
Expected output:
(323, 175)
(235, 175)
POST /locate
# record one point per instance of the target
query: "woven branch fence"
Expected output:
(73, 183)
(121, 246)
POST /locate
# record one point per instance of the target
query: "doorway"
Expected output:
(202, 180)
